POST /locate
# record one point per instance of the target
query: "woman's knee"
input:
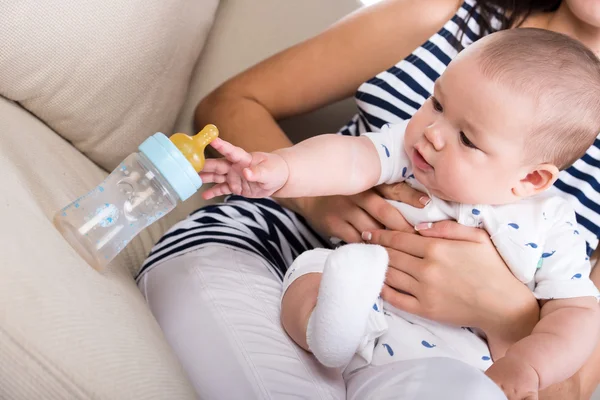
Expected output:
(219, 310)
(423, 379)
(208, 278)
(461, 380)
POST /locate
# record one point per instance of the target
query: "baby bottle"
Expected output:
(143, 188)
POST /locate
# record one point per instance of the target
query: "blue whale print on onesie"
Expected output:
(388, 348)
(387, 152)
(546, 255)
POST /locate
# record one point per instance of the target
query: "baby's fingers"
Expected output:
(232, 153)
(256, 173)
(216, 191)
(211, 177)
(216, 165)
(215, 170)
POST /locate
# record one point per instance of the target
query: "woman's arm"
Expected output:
(319, 71)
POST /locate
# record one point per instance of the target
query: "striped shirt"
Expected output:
(261, 227)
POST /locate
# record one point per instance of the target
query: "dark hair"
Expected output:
(510, 13)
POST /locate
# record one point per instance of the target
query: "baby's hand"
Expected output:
(517, 379)
(246, 174)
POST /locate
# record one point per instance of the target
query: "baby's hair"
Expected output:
(563, 75)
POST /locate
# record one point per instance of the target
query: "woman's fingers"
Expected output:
(403, 193)
(401, 281)
(362, 221)
(404, 242)
(338, 216)
(401, 301)
(419, 245)
(452, 230)
(401, 263)
(346, 232)
(381, 210)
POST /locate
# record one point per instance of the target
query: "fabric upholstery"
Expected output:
(103, 74)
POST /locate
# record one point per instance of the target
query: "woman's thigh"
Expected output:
(219, 310)
(422, 379)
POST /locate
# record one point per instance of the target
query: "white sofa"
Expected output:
(82, 83)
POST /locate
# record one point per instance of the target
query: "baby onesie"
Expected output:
(537, 237)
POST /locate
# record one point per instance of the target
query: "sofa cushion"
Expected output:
(104, 74)
(66, 330)
(232, 47)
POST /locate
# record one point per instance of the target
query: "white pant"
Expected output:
(219, 310)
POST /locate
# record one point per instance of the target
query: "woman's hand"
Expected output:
(346, 217)
(462, 281)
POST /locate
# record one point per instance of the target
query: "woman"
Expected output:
(214, 281)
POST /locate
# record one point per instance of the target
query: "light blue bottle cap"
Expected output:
(173, 166)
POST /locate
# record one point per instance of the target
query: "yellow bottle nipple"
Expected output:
(192, 147)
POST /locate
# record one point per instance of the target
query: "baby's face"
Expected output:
(466, 142)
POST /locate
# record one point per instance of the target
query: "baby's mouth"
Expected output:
(419, 161)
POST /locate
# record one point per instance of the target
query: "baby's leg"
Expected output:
(297, 306)
(327, 313)
(300, 291)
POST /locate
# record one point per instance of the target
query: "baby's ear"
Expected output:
(536, 180)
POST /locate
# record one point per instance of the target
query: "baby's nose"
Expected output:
(434, 135)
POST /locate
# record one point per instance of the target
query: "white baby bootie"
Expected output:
(351, 282)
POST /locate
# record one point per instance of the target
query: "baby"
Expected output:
(509, 112)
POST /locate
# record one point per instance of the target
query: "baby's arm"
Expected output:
(559, 345)
(569, 325)
(563, 339)
(323, 165)
(330, 164)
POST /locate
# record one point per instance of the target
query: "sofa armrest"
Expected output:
(66, 330)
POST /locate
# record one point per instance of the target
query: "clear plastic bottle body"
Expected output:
(101, 223)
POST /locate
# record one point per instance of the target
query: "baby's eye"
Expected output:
(436, 105)
(465, 140)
